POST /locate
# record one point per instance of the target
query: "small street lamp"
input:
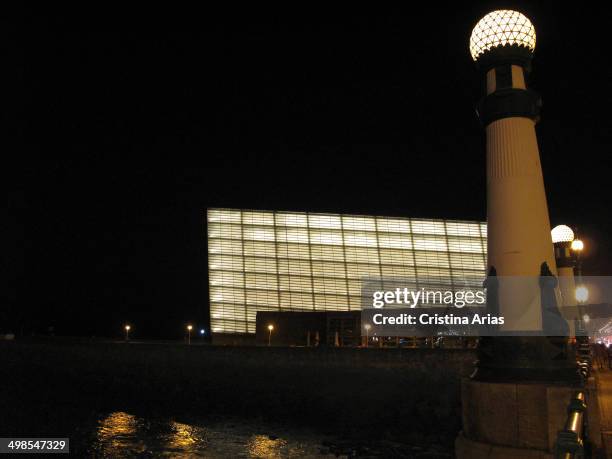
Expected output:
(127, 332)
(189, 328)
(577, 247)
(270, 328)
(586, 318)
(582, 294)
(367, 329)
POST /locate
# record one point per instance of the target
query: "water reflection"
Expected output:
(184, 437)
(116, 426)
(261, 446)
(121, 434)
(117, 432)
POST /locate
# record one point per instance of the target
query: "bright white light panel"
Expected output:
(289, 261)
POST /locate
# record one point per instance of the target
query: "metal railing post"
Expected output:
(570, 440)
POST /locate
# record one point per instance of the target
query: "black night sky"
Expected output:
(134, 122)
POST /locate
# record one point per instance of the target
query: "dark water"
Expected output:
(121, 435)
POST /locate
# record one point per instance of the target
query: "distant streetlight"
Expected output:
(577, 245)
(189, 328)
(202, 332)
(270, 328)
(367, 329)
(582, 294)
(127, 332)
(586, 318)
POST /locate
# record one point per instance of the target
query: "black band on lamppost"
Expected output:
(505, 55)
(508, 102)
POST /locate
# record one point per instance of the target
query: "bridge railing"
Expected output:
(570, 442)
(584, 357)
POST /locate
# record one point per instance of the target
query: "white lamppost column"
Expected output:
(518, 226)
(518, 365)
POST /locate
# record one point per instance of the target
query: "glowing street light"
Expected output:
(367, 329)
(582, 294)
(189, 328)
(270, 328)
(127, 332)
(562, 233)
(586, 318)
(577, 245)
(502, 28)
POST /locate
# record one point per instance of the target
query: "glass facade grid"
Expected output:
(297, 261)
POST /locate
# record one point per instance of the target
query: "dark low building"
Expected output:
(293, 328)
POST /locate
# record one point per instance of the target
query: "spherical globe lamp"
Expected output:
(582, 294)
(562, 233)
(499, 29)
(577, 245)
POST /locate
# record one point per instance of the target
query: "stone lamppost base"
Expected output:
(515, 420)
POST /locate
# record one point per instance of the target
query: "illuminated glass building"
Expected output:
(302, 261)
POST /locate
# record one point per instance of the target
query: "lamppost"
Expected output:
(270, 328)
(367, 329)
(518, 226)
(577, 247)
(582, 294)
(127, 332)
(189, 328)
(518, 360)
(519, 248)
(562, 238)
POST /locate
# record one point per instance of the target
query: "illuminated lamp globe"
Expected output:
(582, 294)
(502, 28)
(577, 245)
(586, 318)
(562, 233)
